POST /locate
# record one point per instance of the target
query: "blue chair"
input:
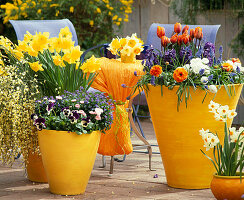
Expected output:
(209, 34)
(51, 26)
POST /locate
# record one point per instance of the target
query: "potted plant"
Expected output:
(69, 129)
(114, 74)
(228, 155)
(52, 65)
(179, 80)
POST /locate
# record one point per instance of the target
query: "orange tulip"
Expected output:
(185, 29)
(177, 27)
(165, 41)
(174, 38)
(185, 38)
(198, 33)
(180, 39)
(160, 31)
(192, 32)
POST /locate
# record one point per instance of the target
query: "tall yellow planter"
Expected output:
(68, 159)
(178, 133)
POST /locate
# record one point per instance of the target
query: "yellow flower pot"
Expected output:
(35, 169)
(178, 133)
(128, 59)
(227, 187)
(68, 159)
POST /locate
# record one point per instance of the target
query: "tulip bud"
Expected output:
(165, 41)
(185, 29)
(174, 38)
(177, 27)
(198, 33)
(192, 32)
(160, 31)
(180, 39)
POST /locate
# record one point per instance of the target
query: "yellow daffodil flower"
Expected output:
(91, 65)
(36, 66)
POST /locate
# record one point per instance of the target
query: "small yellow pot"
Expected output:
(128, 59)
(178, 136)
(227, 187)
(68, 159)
(35, 169)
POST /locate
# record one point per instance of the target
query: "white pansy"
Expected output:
(52, 101)
(205, 61)
(73, 100)
(213, 88)
(187, 67)
(204, 79)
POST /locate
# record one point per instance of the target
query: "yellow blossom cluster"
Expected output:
(61, 49)
(126, 46)
(20, 9)
(17, 97)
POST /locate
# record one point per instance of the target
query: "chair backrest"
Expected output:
(51, 26)
(209, 33)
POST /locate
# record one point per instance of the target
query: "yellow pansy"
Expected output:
(126, 20)
(36, 66)
(39, 11)
(115, 17)
(117, 23)
(91, 65)
(71, 9)
(75, 53)
(57, 13)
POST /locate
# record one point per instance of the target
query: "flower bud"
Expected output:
(192, 32)
(160, 31)
(177, 27)
(185, 29)
(198, 33)
(165, 41)
(174, 38)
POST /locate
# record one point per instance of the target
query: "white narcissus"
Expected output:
(213, 88)
(213, 106)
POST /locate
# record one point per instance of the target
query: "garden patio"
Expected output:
(131, 180)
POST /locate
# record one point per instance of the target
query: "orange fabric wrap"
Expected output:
(112, 75)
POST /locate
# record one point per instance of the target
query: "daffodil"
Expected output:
(91, 65)
(65, 32)
(75, 53)
(36, 66)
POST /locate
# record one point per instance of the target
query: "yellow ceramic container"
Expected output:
(35, 169)
(68, 159)
(227, 187)
(178, 136)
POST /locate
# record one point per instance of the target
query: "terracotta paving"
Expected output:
(132, 179)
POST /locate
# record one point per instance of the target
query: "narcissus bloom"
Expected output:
(91, 65)
(36, 66)
(156, 70)
(180, 74)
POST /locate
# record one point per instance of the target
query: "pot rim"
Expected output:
(228, 177)
(236, 84)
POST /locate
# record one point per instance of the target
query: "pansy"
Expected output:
(40, 123)
(85, 121)
(66, 111)
(59, 97)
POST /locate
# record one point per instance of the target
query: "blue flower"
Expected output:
(210, 77)
(201, 72)
(233, 74)
(153, 80)
(135, 73)
(123, 85)
(238, 70)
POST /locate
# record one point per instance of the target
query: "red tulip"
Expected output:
(177, 27)
(165, 41)
(174, 38)
(185, 29)
(198, 33)
(160, 31)
(192, 32)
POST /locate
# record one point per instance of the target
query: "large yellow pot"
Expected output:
(68, 159)
(227, 187)
(178, 136)
(35, 169)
